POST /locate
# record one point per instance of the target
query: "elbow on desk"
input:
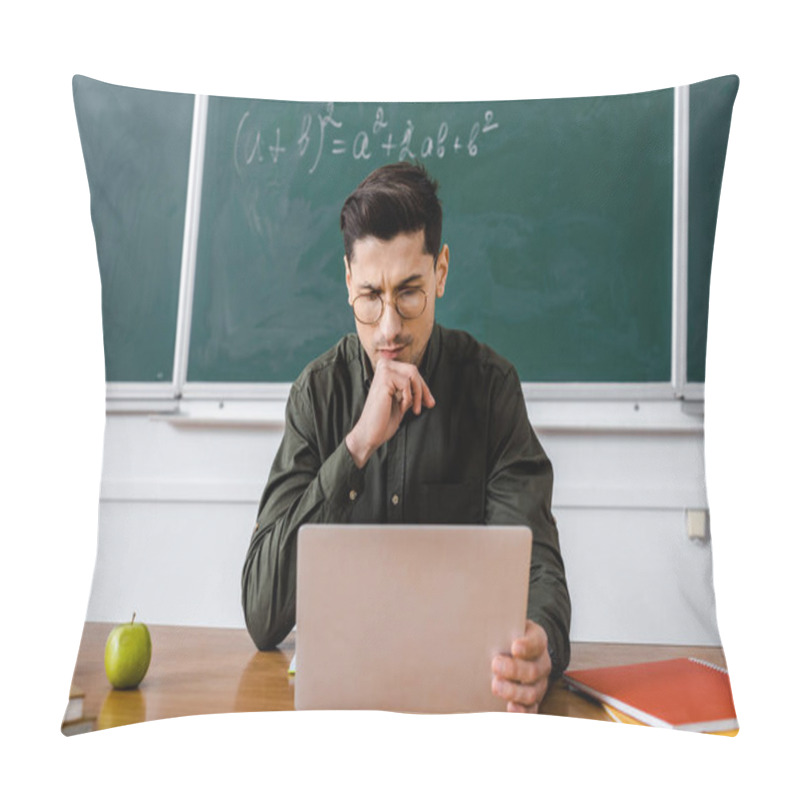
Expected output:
(267, 627)
(264, 635)
(261, 616)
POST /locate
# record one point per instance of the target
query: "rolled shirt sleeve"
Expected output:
(519, 491)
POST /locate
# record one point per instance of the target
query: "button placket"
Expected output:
(395, 475)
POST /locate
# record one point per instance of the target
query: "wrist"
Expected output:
(359, 451)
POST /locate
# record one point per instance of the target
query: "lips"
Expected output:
(390, 352)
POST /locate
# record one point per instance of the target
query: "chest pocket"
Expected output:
(451, 503)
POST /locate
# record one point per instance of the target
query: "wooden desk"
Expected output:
(218, 670)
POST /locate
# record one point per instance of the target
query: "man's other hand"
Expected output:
(521, 678)
(396, 388)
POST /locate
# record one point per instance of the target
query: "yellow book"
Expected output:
(618, 716)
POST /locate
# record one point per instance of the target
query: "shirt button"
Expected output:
(395, 499)
(353, 494)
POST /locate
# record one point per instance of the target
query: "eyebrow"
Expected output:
(402, 285)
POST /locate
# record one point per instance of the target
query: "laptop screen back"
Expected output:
(407, 618)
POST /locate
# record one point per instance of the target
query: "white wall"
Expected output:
(179, 497)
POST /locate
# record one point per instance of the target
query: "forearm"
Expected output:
(292, 498)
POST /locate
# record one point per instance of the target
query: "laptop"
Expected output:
(407, 617)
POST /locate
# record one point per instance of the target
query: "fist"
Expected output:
(396, 388)
(522, 677)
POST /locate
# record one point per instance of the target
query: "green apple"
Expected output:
(128, 650)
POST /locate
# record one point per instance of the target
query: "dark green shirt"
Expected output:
(472, 458)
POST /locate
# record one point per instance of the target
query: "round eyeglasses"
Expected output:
(409, 304)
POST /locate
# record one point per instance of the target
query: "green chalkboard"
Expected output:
(558, 214)
(136, 146)
(710, 108)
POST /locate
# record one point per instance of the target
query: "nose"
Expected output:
(390, 323)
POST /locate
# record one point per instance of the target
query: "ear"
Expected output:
(442, 264)
(348, 279)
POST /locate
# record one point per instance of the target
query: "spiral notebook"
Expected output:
(683, 693)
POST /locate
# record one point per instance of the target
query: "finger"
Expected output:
(407, 395)
(532, 644)
(417, 385)
(399, 401)
(427, 396)
(421, 388)
(397, 387)
(397, 381)
(520, 709)
(521, 694)
(518, 670)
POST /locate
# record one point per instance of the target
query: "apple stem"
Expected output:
(133, 617)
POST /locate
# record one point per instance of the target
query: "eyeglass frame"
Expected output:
(393, 302)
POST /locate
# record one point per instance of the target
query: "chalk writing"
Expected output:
(379, 123)
(325, 135)
(361, 146)
(275, 149)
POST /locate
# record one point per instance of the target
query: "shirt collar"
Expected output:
(431, 357)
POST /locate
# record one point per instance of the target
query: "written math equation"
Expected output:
(327, 134)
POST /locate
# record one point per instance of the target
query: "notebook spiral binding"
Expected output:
(709, 664)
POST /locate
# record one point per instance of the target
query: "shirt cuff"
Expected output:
(341, 481)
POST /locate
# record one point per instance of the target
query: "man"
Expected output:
(409, 422)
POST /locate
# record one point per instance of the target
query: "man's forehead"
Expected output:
(403, 244)
(400, 259)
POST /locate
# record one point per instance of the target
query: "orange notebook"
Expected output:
(684, 693)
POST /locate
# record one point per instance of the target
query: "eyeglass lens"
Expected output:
(410, 303)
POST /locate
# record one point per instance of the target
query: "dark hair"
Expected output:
(396, 198)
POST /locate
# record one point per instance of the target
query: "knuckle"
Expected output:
(536, 671)
(502, 666)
